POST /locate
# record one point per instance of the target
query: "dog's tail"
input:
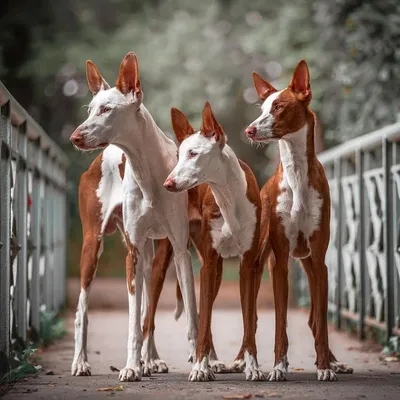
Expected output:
(179, 302)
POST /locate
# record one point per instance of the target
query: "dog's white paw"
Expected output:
(252, 371)
(201, 372)
(162, 367)
(237, 366)
(276, 375)
(218, 366)
(80, 368)
(341, 368)
(155, 366)
(326, 375)
(279, 372)
(130, 374)
(146, 370)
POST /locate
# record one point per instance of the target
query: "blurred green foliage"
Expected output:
(190, 52)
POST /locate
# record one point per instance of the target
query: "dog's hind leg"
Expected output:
(341, 368)
(161, 263)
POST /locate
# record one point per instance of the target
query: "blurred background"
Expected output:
(193, 51)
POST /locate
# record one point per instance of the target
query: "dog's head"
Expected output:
(283, 112)
(199, 152)
(110, 108)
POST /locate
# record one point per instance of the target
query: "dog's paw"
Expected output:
(218, 366)
(237, 366)
(146, 370)
(276, 375)
(279, 372)
(201, 372)
(341, 368)
(160, 366)
(252, 371)
(130, 374)
(80, 368)
(326, 375)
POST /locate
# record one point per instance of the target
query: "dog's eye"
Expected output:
(278, 107)
(192, 154)
(104, 110)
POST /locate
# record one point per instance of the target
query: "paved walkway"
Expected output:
(107, 344)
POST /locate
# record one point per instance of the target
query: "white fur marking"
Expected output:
(80, 365)
(109, 191)
(280, 370)
(252, 370)
(299, 205)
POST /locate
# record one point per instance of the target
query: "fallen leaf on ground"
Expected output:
(391, 359)
(51, 385)
(119, 388)
(298, 369)
(49, 372)
(238, 396)
(113, 369)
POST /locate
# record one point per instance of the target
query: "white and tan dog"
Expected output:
(296, 213)
(228, 206)
(117, 116)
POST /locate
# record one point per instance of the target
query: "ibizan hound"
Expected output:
(100, 209)
(229, 206)
(296, 212)
(118, 116)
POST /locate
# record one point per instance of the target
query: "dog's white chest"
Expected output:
(235, 239)
(300, 213)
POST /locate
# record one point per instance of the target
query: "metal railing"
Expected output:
(363, 257)
(32, 225)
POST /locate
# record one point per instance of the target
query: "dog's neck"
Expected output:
(229, 187)
(150, 153)
(297, 154)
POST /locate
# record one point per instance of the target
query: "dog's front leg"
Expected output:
(179, 236)
(134, 280)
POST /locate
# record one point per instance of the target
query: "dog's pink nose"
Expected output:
(251, 131)
(77, 138)
(170, 184)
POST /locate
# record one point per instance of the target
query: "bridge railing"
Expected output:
(363, 257)
(32, 225)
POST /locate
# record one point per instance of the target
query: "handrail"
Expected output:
(33, 129)
(365, 142)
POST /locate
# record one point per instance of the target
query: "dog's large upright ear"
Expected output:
(264, 88)
(300, 83)
(210, 126)
(128, 76)
(94, 79)
(180, 125)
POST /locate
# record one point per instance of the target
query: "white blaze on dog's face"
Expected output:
(199, 152)
(110, 108)
(283, 112)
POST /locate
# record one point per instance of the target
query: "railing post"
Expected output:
(388, 238)
(22, 208)
(361, 243)
(36, 215)
(338, 179)
(5, 234)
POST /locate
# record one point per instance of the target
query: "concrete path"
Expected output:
(107, 343)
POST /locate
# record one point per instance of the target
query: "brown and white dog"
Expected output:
(118, 116)
(296, 212)
(228, 206)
